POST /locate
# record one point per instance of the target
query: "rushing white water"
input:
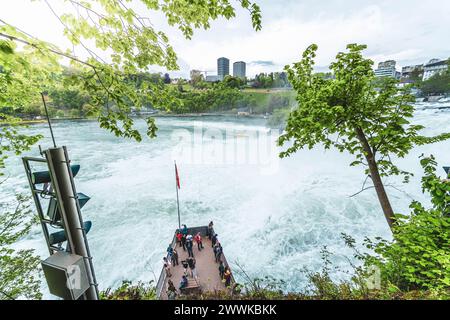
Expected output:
(272, 223)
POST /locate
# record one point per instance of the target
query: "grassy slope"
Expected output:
(263, 97)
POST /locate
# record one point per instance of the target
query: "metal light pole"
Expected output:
(177, 186)
(62, 180)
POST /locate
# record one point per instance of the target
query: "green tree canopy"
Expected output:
(134, 45)
(350, 114)
(419, 258)
(19, 276)
(233, 82)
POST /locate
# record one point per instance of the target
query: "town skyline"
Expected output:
(393, 31)
(389, 68)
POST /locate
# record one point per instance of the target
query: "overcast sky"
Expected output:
(409, 31)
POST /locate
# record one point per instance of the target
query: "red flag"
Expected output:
(177, 177)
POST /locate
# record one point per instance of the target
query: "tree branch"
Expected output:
(59, 53)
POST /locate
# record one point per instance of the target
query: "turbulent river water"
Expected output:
(273, 216)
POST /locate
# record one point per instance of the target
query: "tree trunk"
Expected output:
(375, 175)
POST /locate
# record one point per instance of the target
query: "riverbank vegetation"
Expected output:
(228, 96)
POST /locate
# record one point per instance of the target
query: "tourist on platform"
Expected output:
(185, 266)
(167, 269)
(179, 235)
(214, 239)
(169, 251)
(174, 257)
(198, 239)
(183, 242)
(189, 247)
(227, 276)
(171, 286)
(210, 230)
(215, 249)
(191, 263)
(183, 282)
(184, 230)
(171, 290)
(218, 251)
(221, 269)
(166, 261)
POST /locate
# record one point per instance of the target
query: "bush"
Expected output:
(60, 114)
(128, 291)
(74, 113)
(419, 257)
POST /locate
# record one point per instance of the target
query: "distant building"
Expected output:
(408, 71)
(434, 67)
(239, 69)
(387, 69)
(212, 78)
(223, 68)
(405, 82)
(244, 112)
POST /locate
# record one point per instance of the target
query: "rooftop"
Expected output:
(438, 63)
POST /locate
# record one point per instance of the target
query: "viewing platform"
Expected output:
(208, 279)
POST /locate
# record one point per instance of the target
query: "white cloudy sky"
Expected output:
(409, 31)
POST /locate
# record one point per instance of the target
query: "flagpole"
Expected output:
(178, 201)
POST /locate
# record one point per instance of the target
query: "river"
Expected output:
(273, 216)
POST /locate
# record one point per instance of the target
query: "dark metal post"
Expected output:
(178, 201)
(48, 120)
(70, 212)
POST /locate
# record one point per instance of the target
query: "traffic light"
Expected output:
(60, 236)
(58, 206)
(43, 177)
(53, 212)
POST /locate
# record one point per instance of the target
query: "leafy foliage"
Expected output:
(233, 82)
(68, 98)
(351, 113)
(271, 80)
(128, 291)
(216, 98)
(19, 276)
(338, 106)
(134, 43)
(419, 258)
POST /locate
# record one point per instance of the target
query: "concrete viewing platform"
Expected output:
(208, 279)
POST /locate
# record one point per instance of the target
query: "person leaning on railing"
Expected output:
(174, 257)
(209, 232)
(171, 290)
